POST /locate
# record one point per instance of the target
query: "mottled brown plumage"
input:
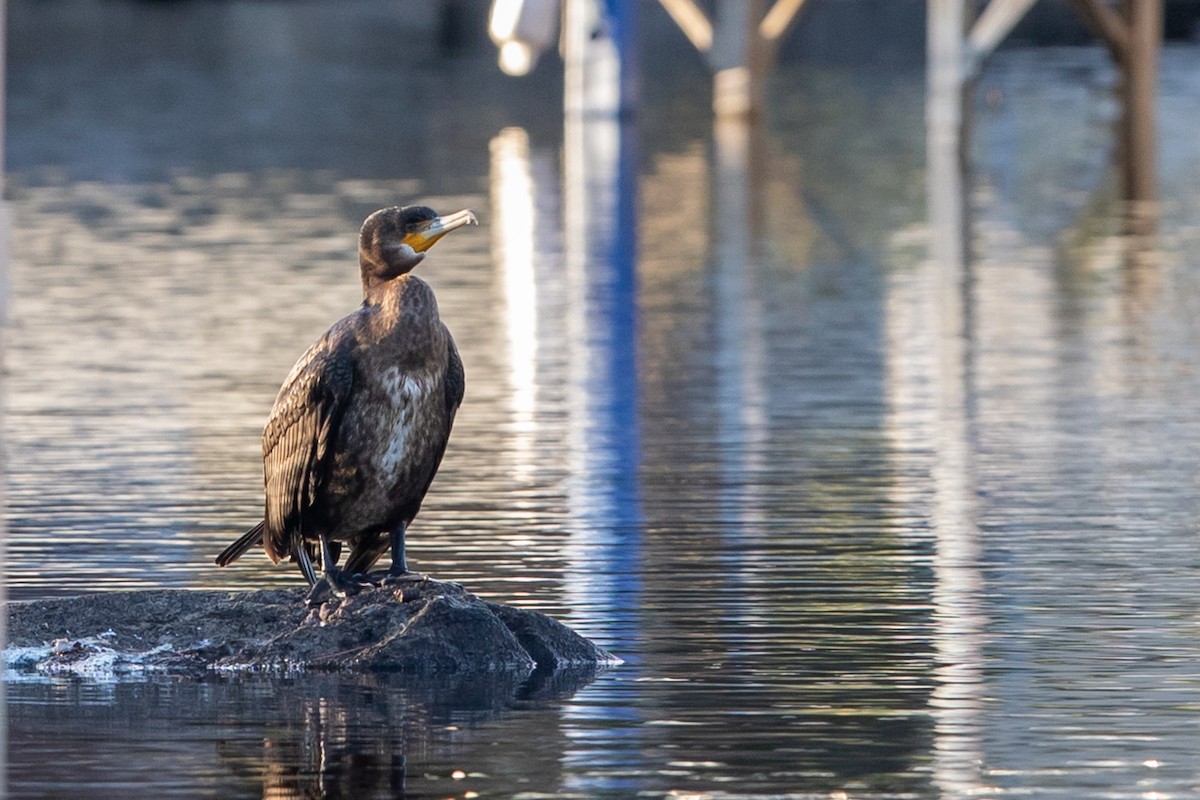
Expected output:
(360, 425)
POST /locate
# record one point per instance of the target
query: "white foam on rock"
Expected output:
(89, 657)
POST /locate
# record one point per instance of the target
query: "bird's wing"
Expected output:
(298, 439)
(456, 384)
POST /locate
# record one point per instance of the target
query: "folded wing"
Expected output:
(298, 442)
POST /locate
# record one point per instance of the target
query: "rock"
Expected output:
(424, 628)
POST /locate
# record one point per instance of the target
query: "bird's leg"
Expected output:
(300, 556)
(398, 571)
(333, 580)
(318, 591)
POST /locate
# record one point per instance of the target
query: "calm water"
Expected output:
(853, 537)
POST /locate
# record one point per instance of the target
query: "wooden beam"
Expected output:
(1140, 95)
(997, 21)
(1107, 24)
(779, 20)
(692, 21)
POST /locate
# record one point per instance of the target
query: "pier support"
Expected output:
(740, 47)
(958, 46)
(738, 59)
(1132, 31)
(949, 73)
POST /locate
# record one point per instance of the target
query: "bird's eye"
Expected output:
(410, 227)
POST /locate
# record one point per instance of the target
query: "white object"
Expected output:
(522, 29)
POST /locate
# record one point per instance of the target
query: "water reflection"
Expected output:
(305, 736)
(937, 318)
(738, 257)
(518, 220)
(860, 520)
(962, 361)
(791, 617)
(604, 443)
(604, 550)
(927, 423)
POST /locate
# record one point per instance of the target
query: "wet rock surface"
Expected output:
(426, 628)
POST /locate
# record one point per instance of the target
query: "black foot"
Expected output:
(335, 583)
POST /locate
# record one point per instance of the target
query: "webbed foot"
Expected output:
(335, 583)
(390, 578)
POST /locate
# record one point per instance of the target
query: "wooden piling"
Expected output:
(1140, 94)
(1132, 32)
(740, 47)
(739, 59)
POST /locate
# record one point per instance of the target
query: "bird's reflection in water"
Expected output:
(306, 768)
(383, 736)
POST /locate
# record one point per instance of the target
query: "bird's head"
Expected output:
(394, 240)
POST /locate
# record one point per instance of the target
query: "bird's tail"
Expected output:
(249, 539)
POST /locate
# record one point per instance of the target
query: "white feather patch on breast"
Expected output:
(406, 395)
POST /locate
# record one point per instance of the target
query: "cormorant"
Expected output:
(361, 423)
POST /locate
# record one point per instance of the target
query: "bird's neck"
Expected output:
(377, 289)
(373, 289)
(406, 293)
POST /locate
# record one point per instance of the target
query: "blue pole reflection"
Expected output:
(604, 550)
(605, 446)
(600, 229)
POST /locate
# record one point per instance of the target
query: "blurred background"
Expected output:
(845, 383)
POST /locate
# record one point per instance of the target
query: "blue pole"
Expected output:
(622, 19)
